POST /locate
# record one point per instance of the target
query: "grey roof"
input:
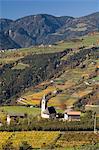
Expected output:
(16, 114)
(50, 110)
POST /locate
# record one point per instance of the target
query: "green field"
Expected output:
(20, 109)
(96, 78)
(20, 66)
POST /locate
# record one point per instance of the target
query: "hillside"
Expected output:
(67, 73)
(44, 29)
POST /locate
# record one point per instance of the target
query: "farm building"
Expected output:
(47, 112)
(14, 117)
(72, 115)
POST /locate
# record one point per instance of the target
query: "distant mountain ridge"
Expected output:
(44, 29)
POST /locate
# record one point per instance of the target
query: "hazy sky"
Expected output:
(14, 9)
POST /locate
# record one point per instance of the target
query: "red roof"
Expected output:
(75, 113)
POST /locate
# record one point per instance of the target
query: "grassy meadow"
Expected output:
(20, 109)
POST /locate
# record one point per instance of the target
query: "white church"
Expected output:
(47, 112)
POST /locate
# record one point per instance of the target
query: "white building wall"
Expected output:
(43, 104)
(44, 115)
(65, 117)
(8, 119)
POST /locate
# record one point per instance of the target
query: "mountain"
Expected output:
(44, 29)
(81, 26)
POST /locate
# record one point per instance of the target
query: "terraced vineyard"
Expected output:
(73, 84)
(37, 139)
(4, 136)
(40, 139)
(36, 97)
(77, 139)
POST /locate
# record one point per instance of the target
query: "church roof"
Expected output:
(50, 110)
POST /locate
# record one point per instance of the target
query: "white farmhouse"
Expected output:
(72, 115)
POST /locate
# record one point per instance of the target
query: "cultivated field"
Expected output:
(74, 84)
(50, 140)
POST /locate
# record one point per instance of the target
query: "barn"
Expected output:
(72, 115)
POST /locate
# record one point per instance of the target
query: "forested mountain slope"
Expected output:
(44, 29)
(33, 69)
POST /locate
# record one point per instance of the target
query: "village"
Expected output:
(49, 113)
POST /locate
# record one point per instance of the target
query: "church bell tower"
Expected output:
(43, 104)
